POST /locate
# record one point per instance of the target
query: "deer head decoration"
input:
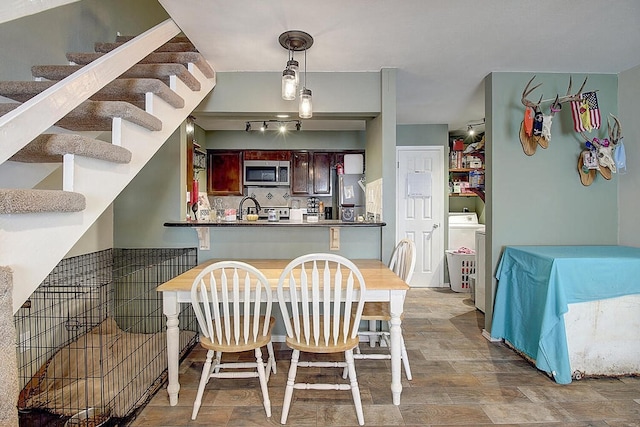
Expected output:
(599, 154)
(536, 127)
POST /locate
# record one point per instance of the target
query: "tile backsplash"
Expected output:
(267, 196)
(270, 196)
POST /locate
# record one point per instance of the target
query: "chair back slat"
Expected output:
(256, 308)
(322, 289)
(224, 294)
(326, 301)
(350, 301)
(206, 320)
(228, 299)
(295, 314)
(215, 321)
(315, 302)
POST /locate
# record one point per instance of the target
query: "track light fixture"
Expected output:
(280, 125)
(470, 127)
(295, 41)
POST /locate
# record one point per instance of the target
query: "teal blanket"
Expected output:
(536, 284)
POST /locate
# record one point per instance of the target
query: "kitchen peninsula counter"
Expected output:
(264, 223)
(280, 239)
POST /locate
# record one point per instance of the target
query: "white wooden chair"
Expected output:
(232, 302)
(403, 261)
(319, 289)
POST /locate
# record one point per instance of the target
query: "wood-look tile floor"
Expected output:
(459, 378)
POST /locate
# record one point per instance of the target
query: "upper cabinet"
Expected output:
(321, 181)
(311, 173)
(224, 173)
(267, 155)
(300, 172)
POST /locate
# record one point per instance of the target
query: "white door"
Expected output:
(420, 210)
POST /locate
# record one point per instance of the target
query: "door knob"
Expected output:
(436, 226)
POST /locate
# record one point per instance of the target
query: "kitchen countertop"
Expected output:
(265, 223)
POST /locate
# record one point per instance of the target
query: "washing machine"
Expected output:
(462, 234)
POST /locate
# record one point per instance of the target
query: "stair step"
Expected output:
(184, 58)
(17, 201)
(98, 115)
(158, 71)
(50, 148)
(176, 39)
(130, 90)
(167, 47)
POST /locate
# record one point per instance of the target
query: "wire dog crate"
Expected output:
(91, 338)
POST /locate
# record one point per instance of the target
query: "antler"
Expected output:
(575, 96)
(615, 133)
(558, 100)
(527, 91)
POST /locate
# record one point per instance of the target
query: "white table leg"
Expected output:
(171, 309)
(396, 307)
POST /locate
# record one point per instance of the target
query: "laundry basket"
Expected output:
(461, 267)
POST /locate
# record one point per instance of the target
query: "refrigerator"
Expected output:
(351, 197)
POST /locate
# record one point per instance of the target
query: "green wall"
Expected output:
(292, 140)
(539, 200)
(419, 135)
(354, 95)
(45, 38)
(629, 203)
(149, 200)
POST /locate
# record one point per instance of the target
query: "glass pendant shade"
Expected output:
(293, 65)
(305, 108)
(288, 85)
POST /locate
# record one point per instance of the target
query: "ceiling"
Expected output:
(442, 50)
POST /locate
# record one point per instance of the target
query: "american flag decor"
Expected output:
(585, 112)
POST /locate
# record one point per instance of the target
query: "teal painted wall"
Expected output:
(629, 183)
(149, 200)
(388, 88)
(341, 95)
(292, 140)
(410, 135)
(45, 38)
(539, 200)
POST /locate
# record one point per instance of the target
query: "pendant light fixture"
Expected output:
(289, 85)
(305, 107)
(296, 41)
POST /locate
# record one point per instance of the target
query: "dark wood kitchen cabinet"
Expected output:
(267, 155)
(224, 172)
(300, 172)
(321, 180)
(311, 173)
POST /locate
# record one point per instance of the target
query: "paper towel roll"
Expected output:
(295, 215)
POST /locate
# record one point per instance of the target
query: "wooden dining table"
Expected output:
(382, 285)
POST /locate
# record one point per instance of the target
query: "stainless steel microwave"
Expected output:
(266, 172)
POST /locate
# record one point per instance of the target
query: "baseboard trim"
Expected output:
(489, 338)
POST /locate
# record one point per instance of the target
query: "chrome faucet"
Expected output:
(242, 202)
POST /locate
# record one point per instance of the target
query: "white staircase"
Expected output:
(35, 234)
